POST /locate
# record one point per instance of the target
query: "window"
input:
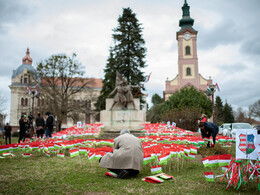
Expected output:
(188, 71)
(22, 102)
(187, 50)
(26, 102)
(21, 79)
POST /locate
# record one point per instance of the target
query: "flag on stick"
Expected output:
(156, 169)
(28, 89)
(209, 176)
(217, 87)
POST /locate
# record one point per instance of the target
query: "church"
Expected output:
(25, 78)
(188, 70)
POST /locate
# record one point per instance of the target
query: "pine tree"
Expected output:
(218, 110)
(228, 114)
(127, 56)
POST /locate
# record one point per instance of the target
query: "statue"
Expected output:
(124, 92)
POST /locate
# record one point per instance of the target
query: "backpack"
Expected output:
(53, 121)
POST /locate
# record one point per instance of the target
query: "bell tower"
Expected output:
(188, 70)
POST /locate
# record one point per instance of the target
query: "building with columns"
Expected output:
(188, 70)
(25, 77)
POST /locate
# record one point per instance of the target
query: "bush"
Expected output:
(15, 134)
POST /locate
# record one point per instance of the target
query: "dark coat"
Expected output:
(49, 122)
(210, 129)
(127, 154)
(40, 122)
(22, 125)
(8, 130)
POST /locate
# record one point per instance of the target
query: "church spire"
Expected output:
(27, 59)
(186, 20)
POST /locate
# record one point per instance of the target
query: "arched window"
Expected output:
(26, 102)
(188, 71)
(22, 102)
(21, 79)
(187, 50)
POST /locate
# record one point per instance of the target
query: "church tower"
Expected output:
(188, 71)
(23, 78)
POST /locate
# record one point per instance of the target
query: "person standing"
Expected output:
(209, 129)
(22, 132)
(49, 124)
(127, 156)
(39, 126)
(8, 130)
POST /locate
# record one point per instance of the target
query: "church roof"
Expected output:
(186, 20)
(27, 64)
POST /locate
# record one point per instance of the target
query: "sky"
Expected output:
(228, 40)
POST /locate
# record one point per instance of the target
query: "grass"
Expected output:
(42, 175)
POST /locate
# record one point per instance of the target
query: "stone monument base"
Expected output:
(118, 118)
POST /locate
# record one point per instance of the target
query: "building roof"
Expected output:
(186, 20)
(77, 82)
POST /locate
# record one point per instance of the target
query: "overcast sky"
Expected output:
(228, 39)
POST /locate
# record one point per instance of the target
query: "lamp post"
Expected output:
(212, 89)
(31, 117)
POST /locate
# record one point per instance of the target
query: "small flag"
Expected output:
(153, 179)
(28, 89)
(217, 87)
(61, 155)
(36, 90)
(74, 152)
(209, 176)
(165, 176)
(224, 169)
(208, 89)
(148, 78)
(26, 155)
(156, 169)
(111, 174)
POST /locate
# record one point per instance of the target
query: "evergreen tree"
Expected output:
(218, 110)
(126, 56)
(189, 97)
(228, 114)
(156, 99)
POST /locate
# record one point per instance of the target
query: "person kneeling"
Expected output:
(127, 157)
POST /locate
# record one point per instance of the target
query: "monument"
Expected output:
(122, 111)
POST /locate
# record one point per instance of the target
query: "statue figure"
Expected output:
(123, 92)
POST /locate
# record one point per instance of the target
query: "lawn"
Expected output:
(40, 174)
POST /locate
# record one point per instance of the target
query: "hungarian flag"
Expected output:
(224, 160)
(209, 176)
(28, 90)
(111, 174)
(205, 161)
(7, 154)
(165, 176)
(212, 161)
(91, 156)
(83, 150)
(47, 154)
(146, 159)
(208, 89)
(156, 169)
(61, 155)
(216, 87)
(153, 179)
(26, 155)
(74, 152)
(148, 78)
(224, 169)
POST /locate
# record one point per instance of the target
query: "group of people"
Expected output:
(27, 130)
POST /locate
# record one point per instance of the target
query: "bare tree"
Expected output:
(254, 109)
(61, 81)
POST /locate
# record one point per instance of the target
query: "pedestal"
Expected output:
(118, 118)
